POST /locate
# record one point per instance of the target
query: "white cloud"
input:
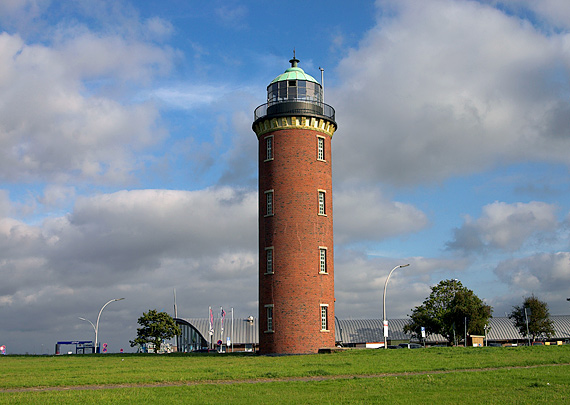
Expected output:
(159, 28)
(91, 55)
(366, 215)
(21, 13)
(359, 283)
(187, 97)
(550, 12)
(135, 229)
(232, 16)
(5, 205)
(56, 195)
(241, 156)
(544, 274)
(139, 244)
(52, 130)
(127, 233)
(505, 226)
(445, 88)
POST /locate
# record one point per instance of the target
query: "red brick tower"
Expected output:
(296, 266)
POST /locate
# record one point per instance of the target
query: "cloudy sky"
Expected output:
(128, 164)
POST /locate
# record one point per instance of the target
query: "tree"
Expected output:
(446, 310)
(155, 327)
(539, 323)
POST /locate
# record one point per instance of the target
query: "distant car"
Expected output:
(494, 344)
(537, 343)
(393, 347)
(410, 346)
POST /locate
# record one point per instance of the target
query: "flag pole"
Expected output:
(175, 317)
(175, 307)
(222, 319)
(211, 331)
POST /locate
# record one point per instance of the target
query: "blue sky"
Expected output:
(128, 164)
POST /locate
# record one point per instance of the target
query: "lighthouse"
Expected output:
(296, 252)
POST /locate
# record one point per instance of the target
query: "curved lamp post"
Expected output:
(97, 323)
(384, 304)
(87, 320)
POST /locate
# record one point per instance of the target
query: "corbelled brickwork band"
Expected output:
(317, 124)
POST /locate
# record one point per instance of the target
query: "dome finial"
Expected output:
(294, 61)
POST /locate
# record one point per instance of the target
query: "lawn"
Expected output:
(446, 375)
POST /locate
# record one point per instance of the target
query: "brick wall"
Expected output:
(296, 231)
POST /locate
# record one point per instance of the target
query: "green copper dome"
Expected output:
(294, 73)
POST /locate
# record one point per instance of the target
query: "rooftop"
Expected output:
(355, 331)
(294, 73)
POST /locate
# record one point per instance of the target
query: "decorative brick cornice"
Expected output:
(311, 123)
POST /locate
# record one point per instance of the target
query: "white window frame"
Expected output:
(324, 317)
(323, 260)
(321, 148)
(322, 210)
(269, 260)
(269, 315)
(269, 148)
(269, 203)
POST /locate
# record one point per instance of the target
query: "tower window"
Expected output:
(322, 208)
(269, 203)
(269, 260)
(292, 83)
(322, 260)
(320, 148)
(324, 317)
(269, 148)
(269, 312)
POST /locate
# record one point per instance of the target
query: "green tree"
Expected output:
(155, 327)
(539, 323)
(445, 311)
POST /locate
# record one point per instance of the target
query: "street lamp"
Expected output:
(99, 316)
(87, 320)
(454, 292)
(384, 304)
(250, 321)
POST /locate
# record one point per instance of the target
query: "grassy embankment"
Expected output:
(505, 375)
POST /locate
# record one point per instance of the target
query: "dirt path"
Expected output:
(266, 380)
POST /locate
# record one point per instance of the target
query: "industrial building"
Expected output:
(349, 333)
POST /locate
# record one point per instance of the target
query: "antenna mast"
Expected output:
(323, 81)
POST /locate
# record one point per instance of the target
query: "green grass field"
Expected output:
(446, 375)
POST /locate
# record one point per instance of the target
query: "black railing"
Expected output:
(293, 107)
